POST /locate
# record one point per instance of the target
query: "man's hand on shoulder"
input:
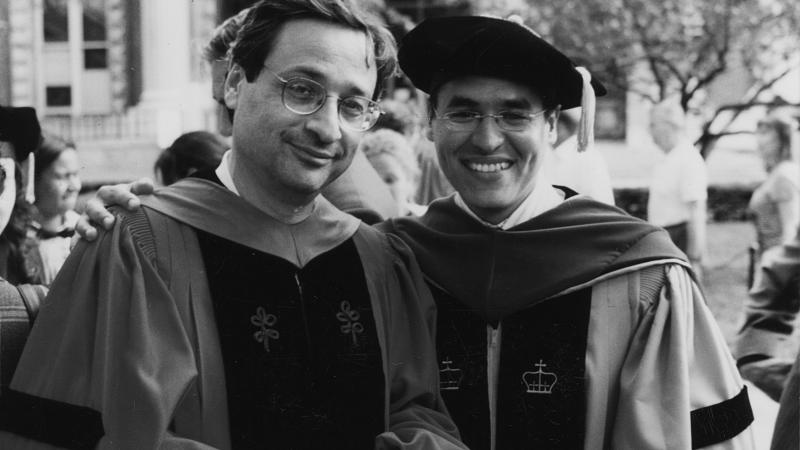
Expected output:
(124, 195)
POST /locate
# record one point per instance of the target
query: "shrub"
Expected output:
(725, 203)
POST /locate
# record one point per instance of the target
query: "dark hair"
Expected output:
(266, 19)
(569, 121)
(197, 150)
(783, 127)
(49, 151)
(223, 36)
(397, 116)
(218, 47)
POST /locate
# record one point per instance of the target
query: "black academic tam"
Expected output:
(440, 49)
(20, 126)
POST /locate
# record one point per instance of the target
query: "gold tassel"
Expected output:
(586, 128)
(30, 196)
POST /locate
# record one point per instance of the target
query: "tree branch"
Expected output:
(672, 68)
(707, 138)
(721, 54)
(644, 41)
(751, 101)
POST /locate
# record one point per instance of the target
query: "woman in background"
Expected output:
(775, 204)
(56, 185)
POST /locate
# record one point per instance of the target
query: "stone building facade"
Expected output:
(109, 69)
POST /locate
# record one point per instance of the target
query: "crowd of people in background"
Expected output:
(474, 174)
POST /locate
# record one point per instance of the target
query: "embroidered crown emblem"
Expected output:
(539, 381)
(449, 378)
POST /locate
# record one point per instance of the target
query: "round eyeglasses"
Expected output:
(506, 120)
(304, 96)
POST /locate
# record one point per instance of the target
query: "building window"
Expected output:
(95, 58)
(56, 24)
(59, 95)
(94, 20)
(95, 46)
(75, 76)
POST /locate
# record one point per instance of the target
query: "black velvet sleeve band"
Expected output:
(50, 421)
(717, 423)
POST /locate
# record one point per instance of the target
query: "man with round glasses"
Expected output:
(238, 308)
(358, 191)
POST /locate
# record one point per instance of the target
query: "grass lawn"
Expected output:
(725, 276)
(725, 287)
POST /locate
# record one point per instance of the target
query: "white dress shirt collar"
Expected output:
(223, 172)
(542, 198)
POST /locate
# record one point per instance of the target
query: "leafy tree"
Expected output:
(665, 48)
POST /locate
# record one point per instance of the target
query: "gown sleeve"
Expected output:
(108, 359)
(787, 424)
(417, 417)
(679, 387)
(772, 304)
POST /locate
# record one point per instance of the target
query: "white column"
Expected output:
(75, 26)
(25, 51)
(166, 63)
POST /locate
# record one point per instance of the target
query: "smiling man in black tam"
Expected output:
(563, 322)
(20, 128)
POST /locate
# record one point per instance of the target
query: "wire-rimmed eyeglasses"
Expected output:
(506, 120)
(305, 96)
